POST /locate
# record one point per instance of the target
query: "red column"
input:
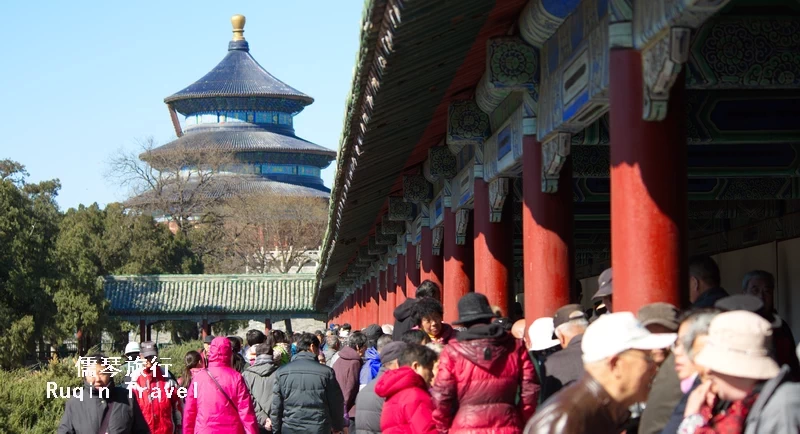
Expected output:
(412, 273)
(347, 316)
(431, 266)
(382, 291)
(357, 307)
(648, 190)
(391, 295)
(375, 299)
(547, 223)
(458, 270)
(493, 249)
(400, 283)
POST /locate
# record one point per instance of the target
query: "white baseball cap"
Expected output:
(541, 334)
(133, 347)
(614, 333)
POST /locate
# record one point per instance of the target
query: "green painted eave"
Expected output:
(192, 294)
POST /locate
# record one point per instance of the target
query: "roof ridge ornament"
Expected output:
(238, 22)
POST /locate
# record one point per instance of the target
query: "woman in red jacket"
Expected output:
(408, 407)
(479, 375)
(156, 394)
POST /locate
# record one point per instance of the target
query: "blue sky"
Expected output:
(82, 79)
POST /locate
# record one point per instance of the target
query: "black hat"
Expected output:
(392, 351)
(149, 348)
(208, 339)
(568, 313)
(373, 332)
(473, 307)
(750, 303)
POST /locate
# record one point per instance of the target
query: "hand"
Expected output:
(268, 424)
(698, 397)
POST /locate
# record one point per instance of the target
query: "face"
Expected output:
(694, 288)
(149, 362)
(432, 325)
(731, 388)
(426, 372)
(98, 379)
(684, 367)
(661, 354)
(761, 289)
(635, 370)
(206, 346)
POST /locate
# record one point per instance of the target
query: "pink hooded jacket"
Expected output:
(210, 410)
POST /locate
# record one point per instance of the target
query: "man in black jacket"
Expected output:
(101, 406)
(306, 397)
(704, 282)
(402, 314)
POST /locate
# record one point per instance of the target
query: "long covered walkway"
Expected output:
(518, 148)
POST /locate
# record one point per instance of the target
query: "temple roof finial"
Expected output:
(238, 27)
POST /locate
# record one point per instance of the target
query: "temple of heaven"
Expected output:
(241, 109)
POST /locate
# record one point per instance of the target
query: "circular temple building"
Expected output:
(241, 110)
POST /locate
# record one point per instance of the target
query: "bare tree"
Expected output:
(270, 233)
(178, 183)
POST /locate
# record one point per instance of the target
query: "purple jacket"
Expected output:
(210, 411)
(347, 369)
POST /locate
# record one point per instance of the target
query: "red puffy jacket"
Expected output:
(158, 399)
(408, 407)
(476, 387)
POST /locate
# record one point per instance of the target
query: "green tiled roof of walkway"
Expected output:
(209, 294)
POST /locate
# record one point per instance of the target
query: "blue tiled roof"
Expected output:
(246, 140)
(209, 294)
(239, 75)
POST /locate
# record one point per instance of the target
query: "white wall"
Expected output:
(779, 258)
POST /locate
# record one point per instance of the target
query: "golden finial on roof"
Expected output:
(238, 27)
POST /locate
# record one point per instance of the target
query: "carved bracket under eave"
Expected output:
(441, 164)
(392, 227)
(511, 65)
(661, 66)
(437, 235)
(661, 30)
(498, 190)
(400, 210)
(467, 125)
(554, 153)
(462, 222)
(416, 189)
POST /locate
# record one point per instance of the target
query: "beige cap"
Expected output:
(738, 345)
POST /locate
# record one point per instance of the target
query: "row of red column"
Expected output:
(648, 224)
(375, 301)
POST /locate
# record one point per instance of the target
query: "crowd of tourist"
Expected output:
(725, 364)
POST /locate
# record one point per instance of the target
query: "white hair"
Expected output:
(573, 327)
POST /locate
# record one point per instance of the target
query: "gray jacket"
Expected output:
(665, 396)
(369, 407)
(306, 397)
(564, 367)
(85, 416)
(260, 382)
(777, 409)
